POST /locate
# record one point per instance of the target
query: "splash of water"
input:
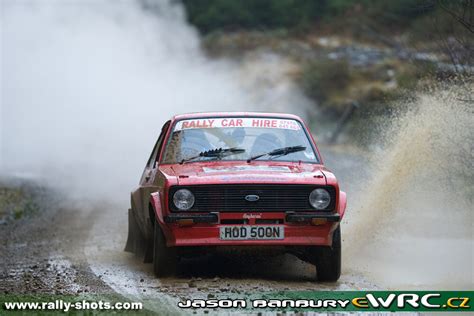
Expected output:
(413, 223)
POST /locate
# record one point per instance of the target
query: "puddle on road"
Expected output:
(197, 278)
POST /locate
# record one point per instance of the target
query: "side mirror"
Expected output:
(147, 174)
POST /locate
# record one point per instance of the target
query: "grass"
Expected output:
(15, 203)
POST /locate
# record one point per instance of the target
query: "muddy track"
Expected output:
(44, 253)
(63, 250)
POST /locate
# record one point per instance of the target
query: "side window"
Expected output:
(156, 149)
(154, 154)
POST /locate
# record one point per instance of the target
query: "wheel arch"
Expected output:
(155, 208)
(342, 203)
(156, 216)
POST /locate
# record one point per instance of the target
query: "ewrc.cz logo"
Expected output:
(410, 300)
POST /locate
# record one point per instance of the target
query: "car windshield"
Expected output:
(238, 139)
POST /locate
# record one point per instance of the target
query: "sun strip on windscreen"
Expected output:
(237, 122)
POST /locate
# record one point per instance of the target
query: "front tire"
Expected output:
(328, 260)
(164, 258)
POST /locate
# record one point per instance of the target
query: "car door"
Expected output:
(141, 196)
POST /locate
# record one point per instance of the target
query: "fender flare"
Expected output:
(155, 201)
(341, 209)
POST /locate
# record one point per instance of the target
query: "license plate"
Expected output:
(255, 232)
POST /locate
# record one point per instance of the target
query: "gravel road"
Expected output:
(64, 250)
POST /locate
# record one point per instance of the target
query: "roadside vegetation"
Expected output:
(17, 201)
(370, 53)
(298, 16)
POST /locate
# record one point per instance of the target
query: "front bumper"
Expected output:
(204, 229)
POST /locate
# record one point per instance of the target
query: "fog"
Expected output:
(87, 85)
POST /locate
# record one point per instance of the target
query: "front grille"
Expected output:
(231, 197)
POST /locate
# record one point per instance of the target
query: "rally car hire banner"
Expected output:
(237, 122)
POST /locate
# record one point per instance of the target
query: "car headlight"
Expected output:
(183, 199)
(319, 199)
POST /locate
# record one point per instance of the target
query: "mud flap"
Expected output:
(134, 235)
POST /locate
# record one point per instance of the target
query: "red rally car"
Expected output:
(237, 180)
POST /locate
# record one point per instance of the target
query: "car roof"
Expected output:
(235, 114)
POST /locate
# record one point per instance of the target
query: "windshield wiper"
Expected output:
(218, 153)
(280, 152)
